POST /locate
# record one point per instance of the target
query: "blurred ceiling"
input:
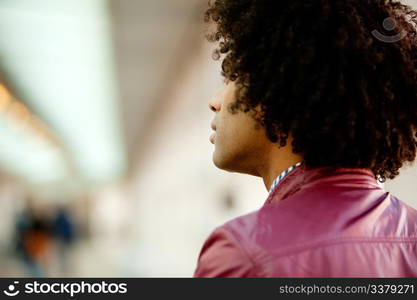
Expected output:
(57, 53)
(95, 71)
(153, 41)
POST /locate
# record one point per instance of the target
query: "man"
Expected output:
(320, 100)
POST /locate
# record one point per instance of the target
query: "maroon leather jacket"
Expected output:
(317, 223)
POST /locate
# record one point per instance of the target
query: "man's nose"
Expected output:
(213, 107)
(215, 102)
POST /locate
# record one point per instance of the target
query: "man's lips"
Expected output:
(212, 137)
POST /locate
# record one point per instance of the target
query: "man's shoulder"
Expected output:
(257, 230)
(265, 240)
(283, 226)
(265, 220)
(224, 253)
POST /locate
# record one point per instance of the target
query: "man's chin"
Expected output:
(223, 163)
(219, 161)
(232, 164)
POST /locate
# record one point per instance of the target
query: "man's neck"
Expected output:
(278, 160)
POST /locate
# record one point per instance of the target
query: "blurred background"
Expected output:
(105, 162)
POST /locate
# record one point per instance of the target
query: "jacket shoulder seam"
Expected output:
(239, 246)
(331, 242)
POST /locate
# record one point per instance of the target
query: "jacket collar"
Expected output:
(304, 176)
(281, 176)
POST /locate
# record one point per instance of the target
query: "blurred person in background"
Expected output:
(33, 239)
(320, 100)
(63, 229)
(44, 238)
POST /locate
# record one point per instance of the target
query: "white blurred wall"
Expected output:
(404, 186)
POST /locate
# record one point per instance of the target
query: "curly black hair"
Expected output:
(339, 75)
